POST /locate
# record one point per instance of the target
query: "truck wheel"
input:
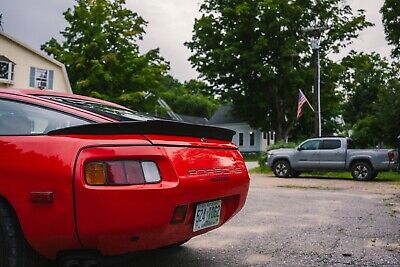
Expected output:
(362, 171)
(282, 169)
(14, 250)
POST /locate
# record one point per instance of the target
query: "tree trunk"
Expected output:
(280, 124)
(283, 128)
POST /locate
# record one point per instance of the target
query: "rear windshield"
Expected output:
(119, 114)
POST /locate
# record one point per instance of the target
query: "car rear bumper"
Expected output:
(121, 219)
(129, 230)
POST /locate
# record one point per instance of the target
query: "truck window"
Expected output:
(331, 144)
(350, 144)
(310, 145)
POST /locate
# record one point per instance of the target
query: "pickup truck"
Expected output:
(331, 154)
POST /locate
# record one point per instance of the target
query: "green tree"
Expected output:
(364, 77)
(255, 53)
(371, 90)
(189, 98)
(387, 109)
(101, 54)
(391, 22)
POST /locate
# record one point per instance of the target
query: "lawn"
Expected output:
(382, 177)
(251, 156)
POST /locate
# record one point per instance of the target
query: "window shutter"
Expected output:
(51, 79)
(32, 77)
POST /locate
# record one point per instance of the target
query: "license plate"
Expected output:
(207, 215)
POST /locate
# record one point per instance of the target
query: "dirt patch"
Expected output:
(291, 186)
(393, 203)
(261, 180)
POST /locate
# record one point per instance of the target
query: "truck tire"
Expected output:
(362, 171)
(282, 169)
(374, 175)
(14, 250)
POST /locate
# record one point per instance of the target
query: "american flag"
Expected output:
(300, 104)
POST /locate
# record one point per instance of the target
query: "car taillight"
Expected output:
(123, 172)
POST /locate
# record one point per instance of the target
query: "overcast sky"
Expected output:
(170, 25)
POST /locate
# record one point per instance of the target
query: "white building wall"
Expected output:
(24, 59)
(260, 144)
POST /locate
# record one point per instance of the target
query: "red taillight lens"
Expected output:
(115, 172)
(125, 172)
(134, 172)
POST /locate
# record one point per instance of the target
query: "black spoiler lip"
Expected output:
(161, 127)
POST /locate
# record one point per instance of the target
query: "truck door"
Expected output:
(307, 157)
(332, 155)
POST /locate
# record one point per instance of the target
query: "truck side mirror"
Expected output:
(299, 148)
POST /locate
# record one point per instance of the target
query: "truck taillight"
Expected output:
(123, 172)
(391, 155)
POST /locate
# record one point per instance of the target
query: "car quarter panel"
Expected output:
(121, 219)
(45, 164)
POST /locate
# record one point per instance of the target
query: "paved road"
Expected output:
(288, 223)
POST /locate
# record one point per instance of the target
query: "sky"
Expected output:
(170, 25)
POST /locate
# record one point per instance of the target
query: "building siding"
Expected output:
(260, 144)
(24, 59)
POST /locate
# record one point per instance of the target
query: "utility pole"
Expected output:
(315, 45)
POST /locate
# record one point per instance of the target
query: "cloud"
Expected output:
(170, 25)
(371, 39)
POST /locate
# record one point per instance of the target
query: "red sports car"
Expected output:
(82, 178)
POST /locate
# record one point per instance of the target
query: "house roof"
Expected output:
(193, 119)
(41, 54)
(224, 115)
(5, 59)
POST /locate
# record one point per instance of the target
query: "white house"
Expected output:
(246, 138)
(24, 67)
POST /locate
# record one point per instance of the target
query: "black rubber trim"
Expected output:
(161, 127)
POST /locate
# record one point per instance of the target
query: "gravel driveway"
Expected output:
(299, 222)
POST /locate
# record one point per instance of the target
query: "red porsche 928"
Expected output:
(82, 178)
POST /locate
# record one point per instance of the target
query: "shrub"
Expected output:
(282, 144)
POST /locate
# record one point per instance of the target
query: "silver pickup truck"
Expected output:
(331, 154)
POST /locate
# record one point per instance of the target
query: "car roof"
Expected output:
(38, 93)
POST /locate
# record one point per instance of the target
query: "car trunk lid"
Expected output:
(159, 132)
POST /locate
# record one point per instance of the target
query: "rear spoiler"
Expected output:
(162, 127)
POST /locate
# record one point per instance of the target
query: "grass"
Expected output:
(251, 156)
(382, 177)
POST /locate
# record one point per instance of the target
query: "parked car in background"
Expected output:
(331, 154)
(81, 178)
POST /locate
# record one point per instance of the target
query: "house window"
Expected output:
(41, 78)
(264, 135)
(251, 138)
(6, 70)
(240, 139)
